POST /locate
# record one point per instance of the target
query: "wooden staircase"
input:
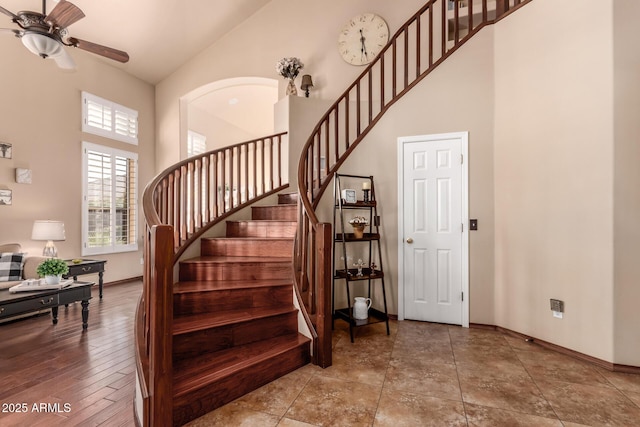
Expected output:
(235, 324)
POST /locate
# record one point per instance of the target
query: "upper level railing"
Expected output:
(179, 205)
(427, 39)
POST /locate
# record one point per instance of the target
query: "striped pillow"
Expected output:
(11, 264)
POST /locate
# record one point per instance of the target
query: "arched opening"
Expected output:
(228, 111)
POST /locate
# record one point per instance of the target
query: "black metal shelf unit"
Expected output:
(343, 272)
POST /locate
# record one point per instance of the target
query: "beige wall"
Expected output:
(282, 28)
(456, 97)
(626, 183)
(554, 173)
(40, 114)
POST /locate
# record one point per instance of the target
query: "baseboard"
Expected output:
(614, 367)
(123, 281)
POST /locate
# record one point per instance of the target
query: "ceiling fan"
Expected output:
(46, 35)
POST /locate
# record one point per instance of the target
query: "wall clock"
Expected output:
(362, 38)
(349, 196)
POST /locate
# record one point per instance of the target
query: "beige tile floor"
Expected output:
(427, 374)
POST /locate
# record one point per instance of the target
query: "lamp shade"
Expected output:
(48, 230)
(42, 45)
(306, 82)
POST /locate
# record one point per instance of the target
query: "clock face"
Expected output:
(362, 38)
(349, 196)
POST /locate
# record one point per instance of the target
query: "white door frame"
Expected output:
(464, 137)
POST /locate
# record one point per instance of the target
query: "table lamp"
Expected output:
(49, 231)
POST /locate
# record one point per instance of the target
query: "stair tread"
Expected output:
(213, 259)
(267, 221)
(189, 376)
(244, 239)
(183, 324)
(215, 285)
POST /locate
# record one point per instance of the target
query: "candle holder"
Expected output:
(365, 197)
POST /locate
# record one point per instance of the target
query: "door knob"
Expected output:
(409, 240)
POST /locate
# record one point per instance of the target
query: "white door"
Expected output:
(433, 256)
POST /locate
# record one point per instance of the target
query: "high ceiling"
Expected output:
(159, 36)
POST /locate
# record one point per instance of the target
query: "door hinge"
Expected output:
(461, 158)
(462, 296)
(462, 227)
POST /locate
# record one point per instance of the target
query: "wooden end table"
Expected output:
(86, 266)
(32, 301)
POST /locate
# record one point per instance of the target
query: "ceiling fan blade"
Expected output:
(16, 33)
(64, 14)
(6, 12)
(107, 52)
(64, 60)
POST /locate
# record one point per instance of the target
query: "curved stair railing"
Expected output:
(180, 204)
(426, 40)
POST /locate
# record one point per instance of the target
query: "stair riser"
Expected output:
(283, 212)
(247, 247)
(235, 271)
(231, 299)
(260, 229)
(199, 402)
(288, 199)
(219, 338)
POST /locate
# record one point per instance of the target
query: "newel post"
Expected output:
(324, 275)
(161, 327)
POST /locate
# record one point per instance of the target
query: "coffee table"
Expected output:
(29, 302)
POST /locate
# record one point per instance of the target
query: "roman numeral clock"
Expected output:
(362, 38)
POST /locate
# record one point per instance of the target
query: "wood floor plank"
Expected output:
(92, 370)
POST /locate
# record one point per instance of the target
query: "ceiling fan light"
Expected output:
(42, 45)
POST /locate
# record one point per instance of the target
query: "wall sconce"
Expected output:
(49, 231)
(306, 84)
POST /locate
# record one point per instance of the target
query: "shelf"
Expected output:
(352, 277)
(375, 316)
(350, 237)
(359, 205)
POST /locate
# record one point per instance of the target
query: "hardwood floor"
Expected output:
(82, 378)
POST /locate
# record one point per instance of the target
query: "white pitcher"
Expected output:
(361, 308)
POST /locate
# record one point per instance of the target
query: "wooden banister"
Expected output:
(179, 205)
(435, 32)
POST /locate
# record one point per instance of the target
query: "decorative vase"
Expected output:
(291, 87)
(358, 231)
(361, 308)
(53, 280)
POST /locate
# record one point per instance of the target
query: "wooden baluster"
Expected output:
(280, 161)
(197, 196)
(418, 46)
(406, 58)
(317, 159)
(206, 189)
(484, 11)
(346, 121)
(456, 22)
(470, 10)
(394, 68)
(191, 200)
(262, 171)
(223, 181)
(215, 184)
(245, 157)
(358, 108)
(326, 151)
(444, 28)
(502, 6)
(336, 136)
(232, 183)
(381, 84)
(370, 95)
(255, 169)
(430, 35)
(271, 187)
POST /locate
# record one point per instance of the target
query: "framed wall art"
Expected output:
(5, 197)
(5, 150)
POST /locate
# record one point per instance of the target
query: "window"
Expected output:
(108, 119)
(196, 143)
(109, 208)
